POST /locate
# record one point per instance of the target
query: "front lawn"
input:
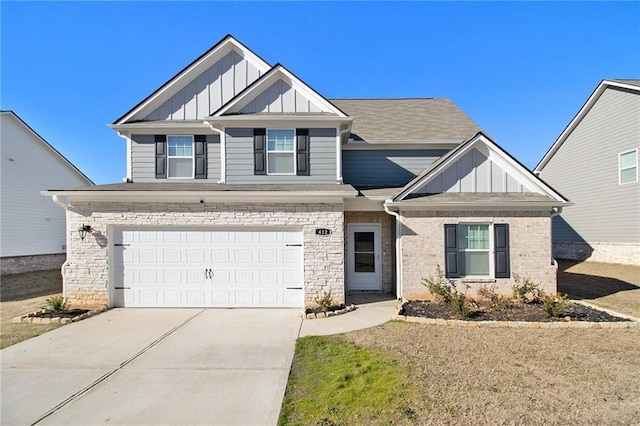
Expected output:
(336, 382)
(404, 373)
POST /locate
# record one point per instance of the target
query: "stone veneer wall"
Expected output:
(387, 225)
(86, 275)
(529, 238)
(624, 253)
(22, 264)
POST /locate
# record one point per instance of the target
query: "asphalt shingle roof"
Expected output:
(407, 120)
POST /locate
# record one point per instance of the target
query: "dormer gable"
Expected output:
(203, 86)
(477, 166)
(279, 91)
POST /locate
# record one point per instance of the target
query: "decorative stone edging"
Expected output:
(516, 324)
(329, 314)
(39, 320)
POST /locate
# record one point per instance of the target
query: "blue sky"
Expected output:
(520, 70)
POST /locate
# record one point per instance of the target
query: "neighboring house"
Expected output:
(249, 188)
(32, 232)
(595, 163)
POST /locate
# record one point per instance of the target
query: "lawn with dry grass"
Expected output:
(610, 286)
(21, 294)
(472, 376)
(488, 376)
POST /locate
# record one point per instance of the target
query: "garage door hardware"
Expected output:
(294, 288)
(294, 245)
(208, 273)
(123, 288)
(120, 245)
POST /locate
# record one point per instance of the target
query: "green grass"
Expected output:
(335, 382)
(16, 333)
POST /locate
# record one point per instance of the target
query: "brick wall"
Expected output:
(387, 225)
(86, 275)
(423, 248)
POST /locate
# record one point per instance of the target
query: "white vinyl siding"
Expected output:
(281, 152)
(31, 223)
(180, 157)
(628, 163)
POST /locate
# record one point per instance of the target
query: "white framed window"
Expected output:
(474, 248)
(628, 167)
(281, 151)
(180, 156)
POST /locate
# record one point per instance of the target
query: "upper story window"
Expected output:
(281, 154)
(180, 156)
(628, 167)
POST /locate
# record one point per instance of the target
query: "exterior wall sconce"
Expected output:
(84, 230)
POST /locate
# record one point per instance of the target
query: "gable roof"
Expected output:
(278, 72)
(47, 145)
(407, 120)
(189, 72)
(632, 85)
(523, 175)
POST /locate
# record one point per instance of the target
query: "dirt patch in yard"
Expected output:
(21, 294)
(610, 286)
(515, 376)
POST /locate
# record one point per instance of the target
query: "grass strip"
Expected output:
(336, 382)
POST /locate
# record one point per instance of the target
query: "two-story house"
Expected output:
(594, 161)
(246, 187)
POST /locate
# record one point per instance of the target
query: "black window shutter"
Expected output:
(161, 156)
(451, 251)
(302, 152)
(259, 151)
(501, 248)
(200, 147)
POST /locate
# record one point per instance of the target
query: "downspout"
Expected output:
(554, 212)
(223, 152)
(398, 247)
(65, 206)
(126, 137)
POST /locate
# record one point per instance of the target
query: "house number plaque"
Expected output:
(323, 231)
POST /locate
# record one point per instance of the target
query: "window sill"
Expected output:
(477, 280)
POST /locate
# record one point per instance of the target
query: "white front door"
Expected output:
(364, 257)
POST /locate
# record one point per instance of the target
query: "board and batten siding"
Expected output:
(31, 223)
(209, 91)
(585, 170)
(240, 158)
(385, 168)
(280, 97)
(143, 160)
(473, 172)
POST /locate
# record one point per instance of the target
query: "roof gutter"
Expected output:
(223, 151)
(477, 205)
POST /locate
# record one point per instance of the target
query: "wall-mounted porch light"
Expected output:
(84, 230)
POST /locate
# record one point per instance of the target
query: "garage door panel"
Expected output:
(172, 256)
(230, 268)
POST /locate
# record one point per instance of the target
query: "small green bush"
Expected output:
(554, 305)
(57, 304)
(459, 305)
(524, 289)
(441, 287)
(325, 301)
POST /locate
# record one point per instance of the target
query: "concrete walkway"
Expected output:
(372, 309)
(166, 366)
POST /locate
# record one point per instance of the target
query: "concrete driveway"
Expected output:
(153, 366)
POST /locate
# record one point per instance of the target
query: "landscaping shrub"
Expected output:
(57, 304)
(554, 305)
(325, 301)
(441, 287)
(525, 290)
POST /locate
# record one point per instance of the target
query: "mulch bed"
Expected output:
(531, 312)
(71, 313)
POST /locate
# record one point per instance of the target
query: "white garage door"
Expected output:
(208, 268)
